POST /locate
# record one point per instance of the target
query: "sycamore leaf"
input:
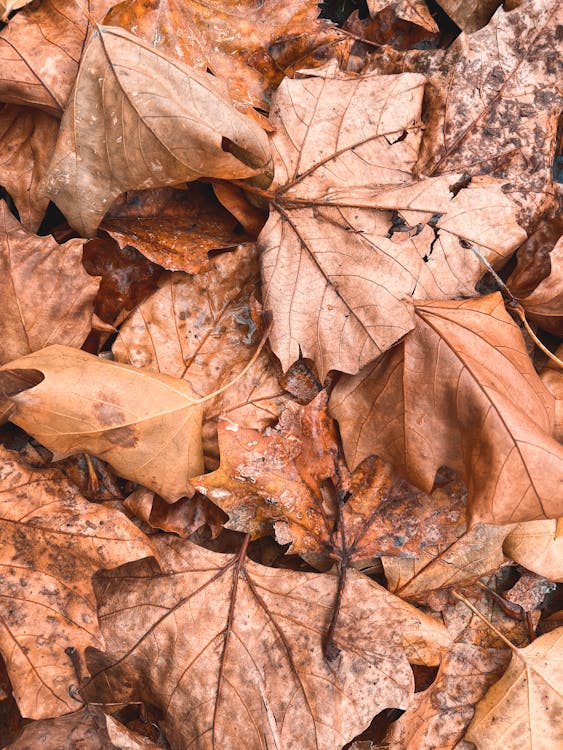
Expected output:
(200, 328)
(87, 729)
(137, 119)
(460, 391)
(439, 715)
(144, 424)
(523, 709)
(40, 50)
(37, 268)
(233, 650)
(27, 140)
(470, 15)
(545, 304)
(52, 542)
(413, 11)
(538, 546)
(339, 286)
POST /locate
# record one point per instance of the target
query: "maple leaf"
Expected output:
(460, 391)
(523, 709)
(185, 127)
(32, 266)
(53, 541)
(217, 637)
(339, 287)
(144, 424)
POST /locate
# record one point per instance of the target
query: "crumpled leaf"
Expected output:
(47, 296)
(8, 6)
(53, 541)
(218, 637)
(27, 140)
(240, 42)
(40, 50)
(200, 328)
(470, 15)
(338, 285)
(460, 391)
(414, 11)
(87, 729)
(137, 119)
(144, 424)
(533, 262)
(523, 709)
(545, 304)
(538, 546)
(492, 103)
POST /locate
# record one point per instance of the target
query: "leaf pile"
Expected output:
(280, 380)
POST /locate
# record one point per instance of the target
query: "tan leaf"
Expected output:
(53, 541)
(414, 11)
(27, 140)
(144, 424)
(538, 546)
(470, 15)
(545, 304)
(220, 637)
(552, 378)
(40, 50)
(37, 268)
(8, 6)
(460, 391)
(523, 709)
(338, 284)
(200, 328)
(138, 119)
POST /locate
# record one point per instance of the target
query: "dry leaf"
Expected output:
(545, 304)
(524, 708)
(9, 6)
(533, 262)
(218, 637)
(53, 541)
(470, 15)
(538, 546)
(47, 296)
(27, 140)
(413, 11)
(141, 121)
(144, 424)
(552, 378)
(460, 391)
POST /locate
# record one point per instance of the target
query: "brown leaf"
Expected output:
(545, 304)
(460, 391)
(144, 424)
(47, 296)
(538, 546)
(40, 50)
(53, 541)
(470, 15)
(27, 140)
(86, 729)
(174, 228)
(552, 378)
(233, 650)
(200, 328)
(9, 6)
(523, 709)
(533, 263)
(184, 127)
(439, 716)
(338, 284)
(413, 11)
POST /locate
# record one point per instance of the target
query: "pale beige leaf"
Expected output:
(144, 424)
(233, 650)
(47, 296)
(137, 119)
(414, 11)
(52, 542)
(538, 546)
(523, 709)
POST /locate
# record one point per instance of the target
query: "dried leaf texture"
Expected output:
(460, 391)
(27, 140)
(523, 709)
(47, 296)
(413, 11)
(8, 6)
(53, 541)
(144, 424)
(538, 546)
(218, 639)
(40, 50)
(545, 304)
(470, 16)
(137, 119)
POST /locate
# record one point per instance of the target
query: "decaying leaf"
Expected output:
(137, 119)
(52, 542)
(218, 637)
(538, 546)
(8, 6)
(533, 262)
(470, 15)
(144, 424)
(460, 391)
(47, 296)
(413, 11)
(523, 709)
(545, 304)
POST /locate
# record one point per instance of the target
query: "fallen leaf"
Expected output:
(53, 541)
(414, 11)
(27, 140)
(185, 128)
(218, 637)
(470, 16)
(144, 424)
(552, 378)
(9, 6)
(545, 304)
(47, 296)
(533, 262)
(460, 391)
(12, 382)
(538, 546)
(523, 709)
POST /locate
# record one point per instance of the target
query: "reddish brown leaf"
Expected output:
(533, 258)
